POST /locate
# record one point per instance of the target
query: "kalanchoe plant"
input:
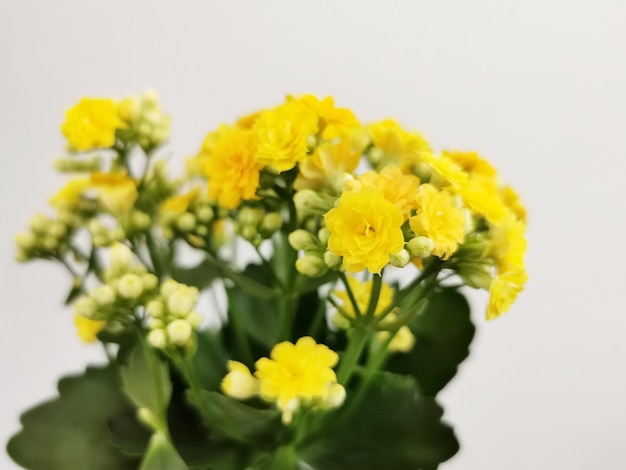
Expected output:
(326, 357)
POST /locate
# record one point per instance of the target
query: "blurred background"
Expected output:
(537, 87)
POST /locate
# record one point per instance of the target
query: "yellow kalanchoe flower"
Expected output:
(88, 329)
(232, 168)
(327, 165)
(91, 124)
(69, 196)
(438, 219)
(179, 204)
(503, 291)
(398, 146)
(362, 292)
(398, 188)
(117, 192)
(297, 374)
(365, 229)
(281, 135)
(333, 121)
(513, 202)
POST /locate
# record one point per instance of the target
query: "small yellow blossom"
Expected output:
(472, 163)
(327, 164)
(512, 201)
(332, 121)
(232, 168)
(398, 146)
(247, 121)
(239, 383)
(296, 374)
(362, 292)
(398, 188)
(503, 291)
(117, 192)
(438, 219)
(88, 329)
(281, 135)
(68, 197)
(91, 124)
(508, 245)
(179, 204)
(365, 229)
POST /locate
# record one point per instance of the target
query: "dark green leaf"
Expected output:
(71, 431)
(210, 359)
(161, 455)
(237, 420)
(390, 427)
(443, 331)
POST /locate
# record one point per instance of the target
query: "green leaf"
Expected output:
(210, 359)
(390, 427)
(71, 431)
(443, 331)
(237, 420)
(147, 383)
(200, 276)
(161, 455)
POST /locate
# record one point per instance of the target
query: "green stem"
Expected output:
(374, 296)
(358, 338)
(153, 369)
(155, 256)
(318, 319)
(353, 301)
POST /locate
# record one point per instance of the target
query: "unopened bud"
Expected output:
(150, 281)
(333, 260)
(323, 235)
(140, 220)
(157, 339)
(194, 319)
(57, 229)
(186, 222)
(39, 223)
(302, 240)
(86, 307)
(272, 222)
(335, 396)
(179, 332)
(155, 309)
(400, 259)
(311, 265)
(168, 287)
(130, 286)
(25, 240)
(182, 300)
(420, 247)
(103, 295)
(120, 256)
(309, 202)
(205, 214)
(250, 216)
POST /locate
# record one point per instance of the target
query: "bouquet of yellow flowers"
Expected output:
(321, 313)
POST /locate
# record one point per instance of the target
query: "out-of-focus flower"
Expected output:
(91, 124)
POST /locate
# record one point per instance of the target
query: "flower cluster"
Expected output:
(353, 233)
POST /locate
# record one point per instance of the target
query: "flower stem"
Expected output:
(358, 338)
(353, 301)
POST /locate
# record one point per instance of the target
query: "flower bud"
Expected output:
(86, 307)
(272, 222)
(194, 319)
(150, 98)
(182, 300)
(335, 396)
(248, 232)
(323, 235)
(155, 309)
(477, 274)
(103, 295)
(309, 202)
(420, 247)
(57, 229)
(157, 338)
(400, 259)
(169, 287)
(40, 223)
(150, 281)
(202, 230)
(140, 220)
(250, 216)
(120, 257)
(311, 265)
(179, 332)
(205, 214)
(302, 240)
(186, 222)
(25, 240)
(50, 243)
(402, 342)
(239, 383)
(128, 109)
(130, 286)
(331, 259)
(72, 165)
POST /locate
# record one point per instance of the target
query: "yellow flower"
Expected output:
(398, 146)
(247, 121)
(398, 188)
(239, 383)
(231, 167)
(117, 192)
(327, 165)
(70, 195)
(365, 229)
(91, 124)
(362, 292)
(332, 121)
(508, 245)
(296, 374)
(179, 204)
(479, 193)
(438, 219)
(88, 329)
(512, 201)
(503, 291)
(402, 342)
(473, 163)
(281, 135)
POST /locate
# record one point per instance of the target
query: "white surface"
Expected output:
(539, 87)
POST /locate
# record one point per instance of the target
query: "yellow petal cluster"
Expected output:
(362, 292)
(179, 204)
(91, 124)
(117, 191)
(398, 146)
(439, 219)
(332, 121)
(365, 229)
(88, 329)
(327, 164)
(232, 167)
(300, 372)
(68, 197)
(503, 292)
(281, 135)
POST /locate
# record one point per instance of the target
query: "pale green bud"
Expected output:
(21, 256)
(338, 182)
(376, 155)
(73, 165)
(202, 230)
(272, 222)
(50, 243)
(157, 338)
(57, 229)
(334, 396)
(311, 265)
(309, 202)
(186, 222)
(25, 240)
(478, 274)
(400, 259)
(96, 227)
(311, 142)
(182, 300)
(168, 233)
(150, 98)
(86, 306)
(323, 235)
(249, 232)
(420, 247)
(40, 224)
(205, 214)
(331, 259)
(100, 240)
(140, 220)
(103, 295)
(150, 281)
(179, 332)
(169, 287)
(250, 216)
(130, 286)
(194, 319)
(155, 309)
(120, 257)
(302, 240)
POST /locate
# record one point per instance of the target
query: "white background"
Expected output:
(537, 86)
